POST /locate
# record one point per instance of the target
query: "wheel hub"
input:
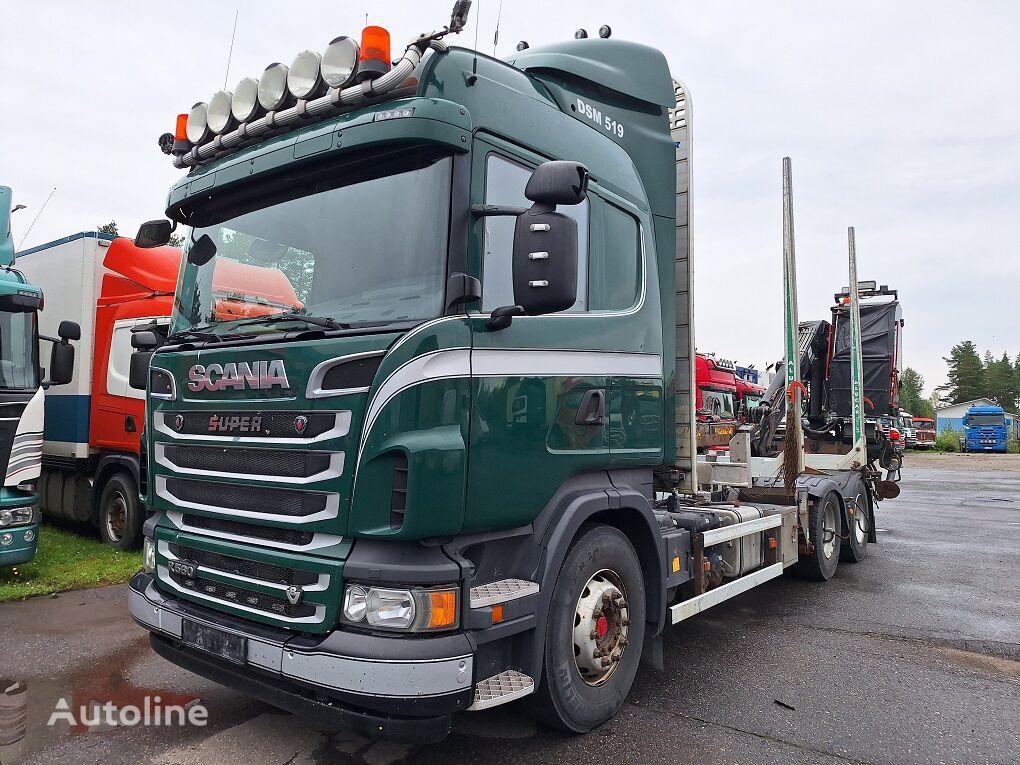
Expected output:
(116, 517)
(601, 627)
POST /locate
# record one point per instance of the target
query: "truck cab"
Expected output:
(924, 433)
(985, 429)
(21, 397)
(717, 402)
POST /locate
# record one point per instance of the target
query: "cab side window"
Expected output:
(615, 269)
(504, 185)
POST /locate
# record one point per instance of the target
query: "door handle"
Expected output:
(592, 409)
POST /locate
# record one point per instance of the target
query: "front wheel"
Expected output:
(120, 514)
(825, 528)
(594, 634)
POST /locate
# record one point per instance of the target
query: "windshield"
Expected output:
(717, 403)
(985, 420)
(751, 400)
(924, 424)
(362, 243)
(19, 363)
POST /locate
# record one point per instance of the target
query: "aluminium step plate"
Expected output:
(501, 592)
(507, 686)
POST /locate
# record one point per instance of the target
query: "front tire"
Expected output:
(594, 633)
(825, 528)
(120, 513)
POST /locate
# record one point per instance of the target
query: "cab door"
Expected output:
(540, 387)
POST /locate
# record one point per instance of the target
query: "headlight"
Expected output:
(273, 87)
(305, 78)
(412, 610)
(218, 113)
(339, 61)
(198, 124)
(148, 555)
(245, 103)
(16, 515)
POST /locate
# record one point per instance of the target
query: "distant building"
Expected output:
(951, 416)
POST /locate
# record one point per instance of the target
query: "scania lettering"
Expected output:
(477, 480)
(258, 375)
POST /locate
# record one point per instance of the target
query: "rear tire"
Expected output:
(825, 528)
(578, 692)
(858, 515)
(120, 513)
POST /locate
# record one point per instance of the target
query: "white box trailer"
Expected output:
(70, 273)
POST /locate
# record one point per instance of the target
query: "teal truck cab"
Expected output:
(21, 398)
(456, 464)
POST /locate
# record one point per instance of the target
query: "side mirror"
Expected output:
(153, 233)
(545, 261)
(138, 370)
(61, 363)
(558, 183)
(69, 330)
(144, 342)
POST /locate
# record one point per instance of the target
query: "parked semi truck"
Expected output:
(91, 466)
(21, 396)
(716, 401)
(924, 433)
(464, 471)
(984, 429)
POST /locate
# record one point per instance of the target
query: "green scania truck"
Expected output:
(452, 464)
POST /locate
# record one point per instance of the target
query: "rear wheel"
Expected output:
(825, 528)
(120, 515)
(594, 633)
(858, 515)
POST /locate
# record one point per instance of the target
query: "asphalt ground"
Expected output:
(911, 656)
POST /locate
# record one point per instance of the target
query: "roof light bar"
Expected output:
(348, 75)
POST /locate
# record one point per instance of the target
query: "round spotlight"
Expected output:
(580, 34)
(198, 124)
(604, 31)
(245, 103)
(273, 87)
(218, 112)
(340, 61)
(523, 45)
(305, 77)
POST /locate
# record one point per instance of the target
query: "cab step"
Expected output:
(507, 686)
(502, 591)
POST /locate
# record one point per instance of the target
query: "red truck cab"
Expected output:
(716, 402)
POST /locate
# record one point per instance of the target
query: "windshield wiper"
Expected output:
(318, 321)
(197, 334)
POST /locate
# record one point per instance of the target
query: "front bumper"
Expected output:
(399, 689)
(19, 550)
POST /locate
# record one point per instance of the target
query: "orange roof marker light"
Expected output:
(374, 57)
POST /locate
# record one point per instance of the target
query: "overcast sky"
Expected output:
(902, 119)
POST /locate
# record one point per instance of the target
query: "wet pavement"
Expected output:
(912, 656)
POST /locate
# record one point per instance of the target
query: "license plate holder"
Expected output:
(226, 645)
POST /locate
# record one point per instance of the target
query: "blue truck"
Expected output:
(984, 429)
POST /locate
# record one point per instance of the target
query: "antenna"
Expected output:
(30, 225)
(474, 63)
(230, 54)
(495, 37)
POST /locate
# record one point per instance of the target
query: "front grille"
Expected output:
(237, 528)
(251, 424)
(228, 593)
(266, 572)
(250, 499)
(285, 463)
